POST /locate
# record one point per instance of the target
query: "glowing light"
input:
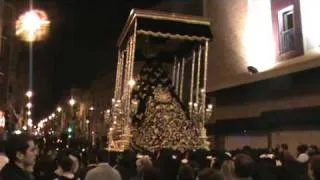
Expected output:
(69, 136)
(30, 122)
(18, 132)
(29, 113)
(131, 82)
(258, 37)
(210, 106)
(87, 121)
(32, 25)
(69, 130)
(29, 105)
(29, 94)
(24, 128)
(72, 102)
(53, 115)
(59, 109)
(91, 108)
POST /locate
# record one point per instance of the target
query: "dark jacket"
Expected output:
(12, 172)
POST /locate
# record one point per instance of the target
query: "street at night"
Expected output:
(159, 90)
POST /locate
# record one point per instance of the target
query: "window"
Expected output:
(286, 29)
(286, 22)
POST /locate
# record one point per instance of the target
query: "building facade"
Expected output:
(264, 64)
(13, 73)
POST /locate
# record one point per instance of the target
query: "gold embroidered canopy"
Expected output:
(174, 50)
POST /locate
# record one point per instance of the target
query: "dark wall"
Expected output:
(192, 7)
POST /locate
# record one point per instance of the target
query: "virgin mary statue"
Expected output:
(160, 120)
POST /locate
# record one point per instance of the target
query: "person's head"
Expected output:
(21, 150)
(185, 172)
(314, 167)
(302, 149)
(313, 150)
(243, 165)
(227, 169)
(92, 158)
(209, 174)
(217, 163)
(284, 147)
(143, 163)
(65, 163)
(103, 156)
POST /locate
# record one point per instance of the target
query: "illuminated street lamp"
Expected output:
(29, 94)
(59, 109)
(32, 25)
(72, 102)
(29, 105)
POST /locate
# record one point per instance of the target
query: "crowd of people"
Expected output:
(22, 159)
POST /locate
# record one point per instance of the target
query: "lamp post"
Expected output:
(72, 102)
(32, 26)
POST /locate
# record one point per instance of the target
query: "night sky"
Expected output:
(81, 45)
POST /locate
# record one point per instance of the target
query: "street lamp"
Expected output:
(29, 94)
(29, 105)
(72, 102)
(32, 25)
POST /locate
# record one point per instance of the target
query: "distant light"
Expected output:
(29, 105)
(210, 106)
(24, 128)
(91, 108)
(69, 130)
(32, 25)
(53, 115)
(29, 94)
(87, 121)
(69, 136)
(30, 122)
(57, 149)
(83, 149)
(29, 113)
(59, 109)
(72, 102)
(17, 132)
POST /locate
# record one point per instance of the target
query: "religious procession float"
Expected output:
(160, 92)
